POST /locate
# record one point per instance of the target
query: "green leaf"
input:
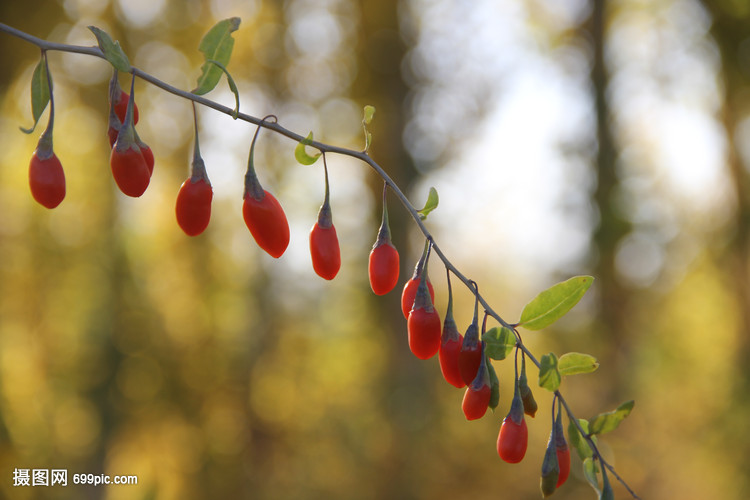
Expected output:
(216, 46)
(549, 376)
(606, 493)
(577, 441)
(111, 50)
(369, 113)
(430, 205)
(573, 363)
(554, 303)
(500, 341)
(589, 472)
(301, 155)
(232, 87)
(494, 386)
(607, 422)
(39, 93)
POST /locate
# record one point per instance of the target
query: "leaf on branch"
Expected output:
(232, 87)
(302, 155)
(573, 363)
(216, 46)
(369, 113)
(607, 422)
(111, 50)
(39, 94)
(549, 376)
(554, 303)
(577, 441)
(500, 341)
(430, 205)
(494, 386)
(590, 473)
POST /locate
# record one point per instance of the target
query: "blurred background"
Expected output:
(596, 137)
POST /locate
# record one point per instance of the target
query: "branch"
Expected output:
(328, 148)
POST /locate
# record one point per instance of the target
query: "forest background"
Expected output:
(608, 138)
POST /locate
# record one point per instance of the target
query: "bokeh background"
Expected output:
(605, 137)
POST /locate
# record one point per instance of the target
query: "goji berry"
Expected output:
(46, 179)
(193, 207)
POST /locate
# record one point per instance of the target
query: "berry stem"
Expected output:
(325, 216)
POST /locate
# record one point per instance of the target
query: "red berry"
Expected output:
(46, 180)
(383, 269)
(410, 293)
(267, 223)
(512, 440)
(325, 251)
(121, 106)
(469, 358)
(448, 356)
(129, 170)
(148, 157)
(476, 401)
(423, 326)
(563, 460)
(193, 207)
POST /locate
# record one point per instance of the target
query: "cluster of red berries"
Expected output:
(464, 363)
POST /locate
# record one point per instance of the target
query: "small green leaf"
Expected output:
(577, 441)
(500, 341)
(549, 376)
(301, 155)
(430, 205)
(39, 93)
(573, 363)
(232, 87)
(111, 50)
(554, 303)
(494, 387)
(369, 113)
(589, 472)
(216, 46)
(607, 422)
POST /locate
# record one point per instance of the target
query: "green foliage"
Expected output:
(232, 87)
(607, 422)
(549, 375)
(216, 47)
(590, 471)
(494, 387)
(39, 93)
(430, 205)
(111, 50)
(368, 115)
(500, 341)
(573, 363)
(301, 155)
(554, 303)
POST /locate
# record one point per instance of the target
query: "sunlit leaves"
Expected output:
(368, 114)
(111, 50)
(573, 363)
(609, 421)
(494, 386)
(302, 155)
(549, 376)
(553, 303)
(216, 46)
(232, 87)
(499, 342)
(577, 441)
(430, 205)
(589, 472)
(39, 93)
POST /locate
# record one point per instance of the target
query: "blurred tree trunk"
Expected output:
(380, 83)
(614, 300)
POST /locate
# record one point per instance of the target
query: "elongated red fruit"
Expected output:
(448, 356)
(563, 460)
(121, 106)
(423, 326)
(476, 401)
(129, 170)
(512, 440)
(470, 356)
(410, 292)
(46, 180)
(383, 268)
(267, 223)
(325, 251)
(193, 207)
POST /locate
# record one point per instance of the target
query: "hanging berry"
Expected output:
(262, 212)
(470, 355)
(409, 293)
(514, 435)
(129, 168)
(423, 324)
(561, 447)
(46, 175)
(193, 207)
(324, 244)
(450, 344)
(529, 403)
(383, 266)
(477, 395)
